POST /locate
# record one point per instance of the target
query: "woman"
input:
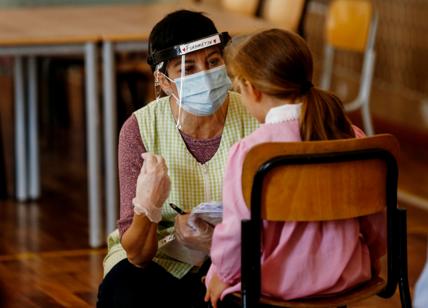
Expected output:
(185, 137)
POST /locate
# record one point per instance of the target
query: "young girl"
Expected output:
(273, 71)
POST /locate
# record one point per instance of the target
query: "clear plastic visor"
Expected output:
(197, 85)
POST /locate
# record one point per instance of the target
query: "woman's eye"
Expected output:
(215, 61)
(187, 70)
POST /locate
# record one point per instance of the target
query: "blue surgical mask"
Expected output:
(203, 93)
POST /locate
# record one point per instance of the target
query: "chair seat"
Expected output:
(365, 290)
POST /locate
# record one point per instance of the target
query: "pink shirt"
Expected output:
(298, 259)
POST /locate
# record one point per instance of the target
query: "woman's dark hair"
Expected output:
(279, 63)
(176, 28)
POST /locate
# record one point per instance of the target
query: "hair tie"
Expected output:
(306, 86)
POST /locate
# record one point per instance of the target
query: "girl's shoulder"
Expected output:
(278, 132)
(288, 131)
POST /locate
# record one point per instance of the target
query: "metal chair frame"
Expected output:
(396, 227)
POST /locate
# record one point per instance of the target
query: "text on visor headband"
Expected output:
(182, 49)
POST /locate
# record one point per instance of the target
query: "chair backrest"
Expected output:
(286, 14)
(338, 170)
(318, 181)
(247, 7)
(348, 24)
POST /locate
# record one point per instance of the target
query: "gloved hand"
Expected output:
(193, 233)
(153, 185)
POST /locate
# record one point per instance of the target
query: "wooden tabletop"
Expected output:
(49, 25)
(80, 24)
(134, 22)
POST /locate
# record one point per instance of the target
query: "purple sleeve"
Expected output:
(129, 160)
(131, 147)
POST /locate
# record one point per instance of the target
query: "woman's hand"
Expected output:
(193, 233)
(153, 183)
(214, 290)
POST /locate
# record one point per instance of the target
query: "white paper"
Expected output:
(211, 212)
(170, 246)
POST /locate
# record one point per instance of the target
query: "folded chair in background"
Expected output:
(357, 177)
(247, 7)
(3, 178)
(351, 25)
(286, 14)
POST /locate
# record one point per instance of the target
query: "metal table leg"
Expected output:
(93, 151)
(110, 124)
(20, 132)
(33, 144)
(110, 131)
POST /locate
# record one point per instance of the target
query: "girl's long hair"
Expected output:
(279, 63)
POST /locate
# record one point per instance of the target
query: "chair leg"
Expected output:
(403, 281)
(3, 179)
(250, 264)
(367, 119)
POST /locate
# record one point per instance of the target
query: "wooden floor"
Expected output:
(45, 260)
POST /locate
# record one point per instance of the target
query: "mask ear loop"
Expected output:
(157, 83)
(183, 67)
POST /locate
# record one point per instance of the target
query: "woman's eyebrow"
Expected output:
(213, 52)
(177, 62)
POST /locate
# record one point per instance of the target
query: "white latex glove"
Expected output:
(153, 185)
(193, 232)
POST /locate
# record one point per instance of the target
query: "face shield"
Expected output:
(197, 80)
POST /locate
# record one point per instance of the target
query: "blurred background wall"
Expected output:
(400, 85)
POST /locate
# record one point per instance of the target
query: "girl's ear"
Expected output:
(252, 91)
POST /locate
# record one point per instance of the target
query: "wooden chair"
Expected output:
(351, 25)
(3, 178)
(247, 7)
(286, 14)
(358, 177)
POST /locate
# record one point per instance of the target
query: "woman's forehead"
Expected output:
(198, 55)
